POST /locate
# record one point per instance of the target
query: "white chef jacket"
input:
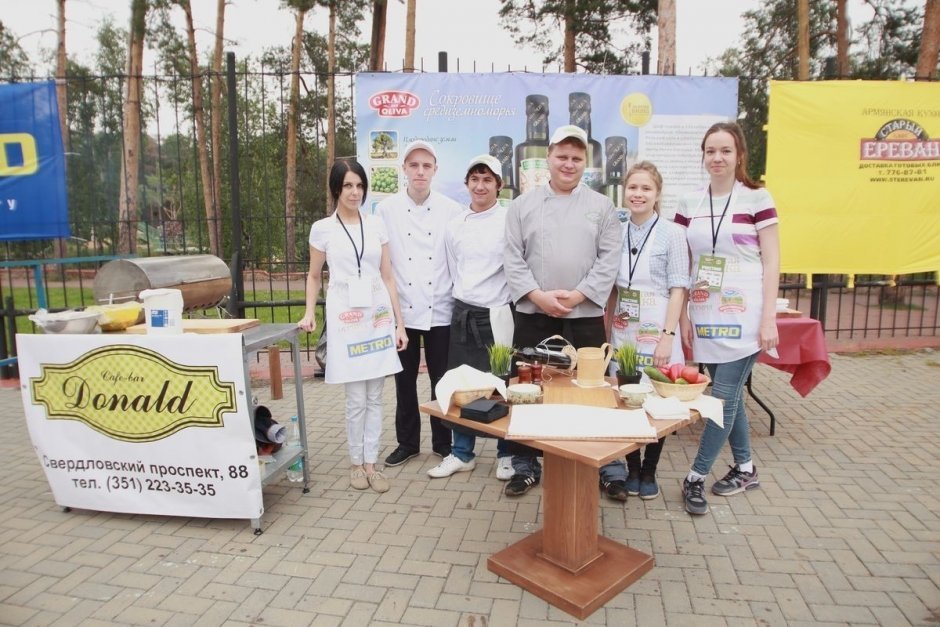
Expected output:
(419, 260)
(475, 244)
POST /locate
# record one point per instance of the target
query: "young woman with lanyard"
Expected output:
(646, 303)
(364, 329)
(731, 227)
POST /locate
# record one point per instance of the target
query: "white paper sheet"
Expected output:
(578, 422)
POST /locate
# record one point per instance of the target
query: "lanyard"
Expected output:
(362, 234)
(711, 215)
(633, 251)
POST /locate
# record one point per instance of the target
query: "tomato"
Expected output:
(665, 371)
(675, 372)
(690, 374)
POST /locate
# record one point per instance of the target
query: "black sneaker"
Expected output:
(442, 451)
(736, 481)
(633, 482)
(399, 456)
(694, 494)
(520, 484)
(615, 490)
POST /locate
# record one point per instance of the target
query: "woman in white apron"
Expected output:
(363, 331)
(734, 243)
(646, 303)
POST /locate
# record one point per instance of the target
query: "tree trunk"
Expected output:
(842, 40)
(802, 12)
(570, 32)
(330, 96)
(128, 211)
(410, 37)
(61, 93)
(377, 48)
(929, 42)
(215, 120)
(202, 150)
(290, 192)
(666, 23)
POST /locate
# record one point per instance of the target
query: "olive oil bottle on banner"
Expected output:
(579, 111)
(616, 150)
(532, 154)
(501, 148)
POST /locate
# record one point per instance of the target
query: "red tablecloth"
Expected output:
(802, 352)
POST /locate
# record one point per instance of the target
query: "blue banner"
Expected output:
(511, 116)
(33, 202)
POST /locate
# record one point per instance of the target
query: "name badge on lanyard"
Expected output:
(711, 272)
(360, 291)
(629, 301)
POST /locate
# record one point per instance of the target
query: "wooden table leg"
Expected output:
(274, 369)
(567, 563)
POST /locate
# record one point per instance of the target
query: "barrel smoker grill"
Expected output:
(204, 280)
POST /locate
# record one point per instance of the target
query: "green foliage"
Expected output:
(599, 24)
(13, 59)
(885, 48)
(500, 357)
(626, 358)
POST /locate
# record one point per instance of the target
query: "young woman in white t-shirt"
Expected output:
(364, 330)
(732, 230)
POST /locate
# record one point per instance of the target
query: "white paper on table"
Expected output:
(465, 378)
(578, 422)
(668, 408)
(502, 324)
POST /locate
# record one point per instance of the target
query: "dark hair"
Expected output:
(740, 145)
(338, 175)
(482, 169)
(653, 171)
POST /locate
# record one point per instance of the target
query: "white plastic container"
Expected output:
(163, 310)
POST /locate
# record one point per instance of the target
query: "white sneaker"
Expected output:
(504, 471)
(450, 465)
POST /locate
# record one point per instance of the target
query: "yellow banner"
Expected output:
(854, 167)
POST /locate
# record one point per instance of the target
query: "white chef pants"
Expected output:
(364, 420)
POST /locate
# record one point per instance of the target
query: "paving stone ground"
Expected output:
(845, 529)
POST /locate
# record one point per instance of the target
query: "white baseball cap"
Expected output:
(419, 145)
(490, 162)
(569, 131)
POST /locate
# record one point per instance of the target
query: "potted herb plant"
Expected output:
(500, 359)
(626, 357)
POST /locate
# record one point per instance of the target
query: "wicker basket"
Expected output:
(686, 392)
(463, 397)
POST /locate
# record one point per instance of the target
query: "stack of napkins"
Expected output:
(710, 408)
(668, 408)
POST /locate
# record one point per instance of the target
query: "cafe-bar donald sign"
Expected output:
(142, 424)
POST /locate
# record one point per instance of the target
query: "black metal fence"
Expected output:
(256, 222)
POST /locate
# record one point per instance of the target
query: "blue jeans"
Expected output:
(462, 447)
(728, 381)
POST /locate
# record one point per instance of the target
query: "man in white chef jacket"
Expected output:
(416, 219)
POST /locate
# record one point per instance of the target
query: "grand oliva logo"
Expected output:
(133, 394)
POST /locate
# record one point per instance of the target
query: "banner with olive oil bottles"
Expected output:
(142, 424)
(512, 115)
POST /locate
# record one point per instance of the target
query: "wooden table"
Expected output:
(568, 563)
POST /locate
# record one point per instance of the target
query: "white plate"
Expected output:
(602, 384)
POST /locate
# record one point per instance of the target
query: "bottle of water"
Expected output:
(295, 472)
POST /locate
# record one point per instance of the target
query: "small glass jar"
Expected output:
(525, 373)
(537, 373)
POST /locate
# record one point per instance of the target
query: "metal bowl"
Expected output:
(66, 321)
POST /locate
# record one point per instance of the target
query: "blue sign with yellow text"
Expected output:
(33, 202)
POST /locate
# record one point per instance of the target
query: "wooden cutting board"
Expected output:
(571, 395)
(789, 313)
(207, 325)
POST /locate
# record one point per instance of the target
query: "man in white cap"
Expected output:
(415, 219)
(563, 246)
(474, 241)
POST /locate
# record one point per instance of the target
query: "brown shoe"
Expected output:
(358, 479)
(378, 482)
